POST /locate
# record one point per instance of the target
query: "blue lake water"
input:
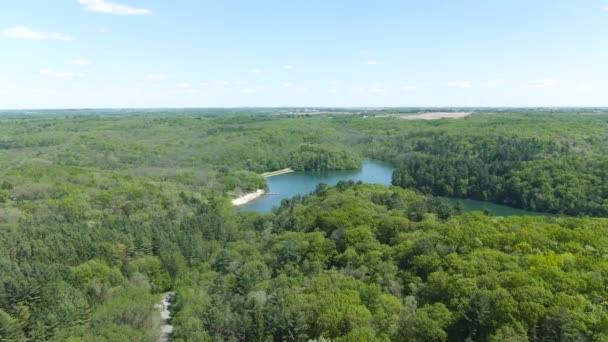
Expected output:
(372, 171)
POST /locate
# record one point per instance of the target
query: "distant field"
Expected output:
(436, 116)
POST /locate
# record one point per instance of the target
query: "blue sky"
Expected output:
(199, 53)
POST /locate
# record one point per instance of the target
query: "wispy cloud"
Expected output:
(248, 91)
(495, 83)
(102, 6)
(301, 90)
(287, 67)
(158, 77)
(222, 83)
(409, 88)
(81, 62)
(255, 71)
(584, 86)
(23, 32)
(183, 85)
(377, 90)
(459, 84)
(546, 83)
(372, 62)
(605, 9)
(65, 74)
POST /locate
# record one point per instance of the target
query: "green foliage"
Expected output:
(9, 328)
(556, 169)
(383, 276)
(96, 224)
(156, 274)
(130, 316)
(427, 323)
(319, 158)
(242, 181)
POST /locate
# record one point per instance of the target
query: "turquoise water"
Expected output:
(304, 182)
(373, 172)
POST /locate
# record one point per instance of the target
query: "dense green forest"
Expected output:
(551, 163)
(100, 214)
(370, 263)
(315, 158)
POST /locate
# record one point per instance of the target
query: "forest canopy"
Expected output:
(97, 224)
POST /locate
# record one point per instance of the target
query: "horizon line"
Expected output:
(304, 107)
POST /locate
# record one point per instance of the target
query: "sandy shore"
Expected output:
(278, 172)
(248, 198)
(436, 116)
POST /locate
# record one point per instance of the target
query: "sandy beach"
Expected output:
(278, 172)
(248, 198)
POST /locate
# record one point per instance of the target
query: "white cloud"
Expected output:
(546, 83)
(287, 67)
(24, 32)
(301, 90)
(459, 84)
(409, 88)
(183, 85)
(605, 9)
(287, 84)
(495, 83)
(332, 90)
(256, 71)
(222, 83)
(377, 90)
(372, 62)
(81, 62)
(103, 6)
(584, 86)
(158, 76)
(248, 91)
(64, 74)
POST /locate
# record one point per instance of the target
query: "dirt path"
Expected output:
(165, 315)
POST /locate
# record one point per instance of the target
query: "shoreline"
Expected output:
(252, 196)
(278, 172)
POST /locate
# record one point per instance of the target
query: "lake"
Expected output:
(372, 171)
